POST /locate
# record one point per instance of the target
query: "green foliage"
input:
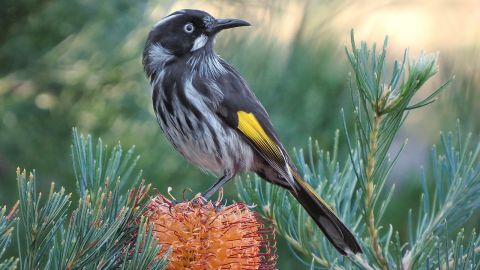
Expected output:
(455, 173)
(40, 223)
(95, 170)
(381, 108)
(65, 71)
(6, 229)
(104, 231)
(356, 188)
(459, 253)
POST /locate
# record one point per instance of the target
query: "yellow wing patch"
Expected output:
(249, 125)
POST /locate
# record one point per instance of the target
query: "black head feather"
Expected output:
(179, 31)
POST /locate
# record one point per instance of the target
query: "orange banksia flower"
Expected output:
(211, 236)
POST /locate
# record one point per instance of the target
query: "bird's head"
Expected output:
(188, 30)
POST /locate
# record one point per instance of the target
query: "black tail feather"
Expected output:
(335, 231)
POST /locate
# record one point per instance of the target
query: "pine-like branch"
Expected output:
(39, 221)
(356, 189)
(456, 173)
(7, 222)
(104, 231)
(380, 111)
(460, 253)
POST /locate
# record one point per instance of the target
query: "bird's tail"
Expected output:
(335, 231)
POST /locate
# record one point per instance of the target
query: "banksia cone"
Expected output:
(211, 236)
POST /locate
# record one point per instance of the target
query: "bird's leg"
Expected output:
(224, 179)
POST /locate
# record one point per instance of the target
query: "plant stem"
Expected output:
(371, 162)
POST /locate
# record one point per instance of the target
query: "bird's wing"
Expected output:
(242, 111)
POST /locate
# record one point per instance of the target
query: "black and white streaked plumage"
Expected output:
(207, 111)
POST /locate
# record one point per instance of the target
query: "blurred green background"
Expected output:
(68, 63)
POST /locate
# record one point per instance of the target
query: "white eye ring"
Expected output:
(188, 28)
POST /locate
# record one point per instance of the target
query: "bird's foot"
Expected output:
(199, 200)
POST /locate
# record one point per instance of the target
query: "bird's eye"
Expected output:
(188, 28)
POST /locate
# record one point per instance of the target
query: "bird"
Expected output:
(207, 111)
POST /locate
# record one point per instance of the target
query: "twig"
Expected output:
(371, 162)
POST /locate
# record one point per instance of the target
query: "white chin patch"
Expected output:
(199, 42)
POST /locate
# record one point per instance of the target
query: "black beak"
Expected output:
(222, 24)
